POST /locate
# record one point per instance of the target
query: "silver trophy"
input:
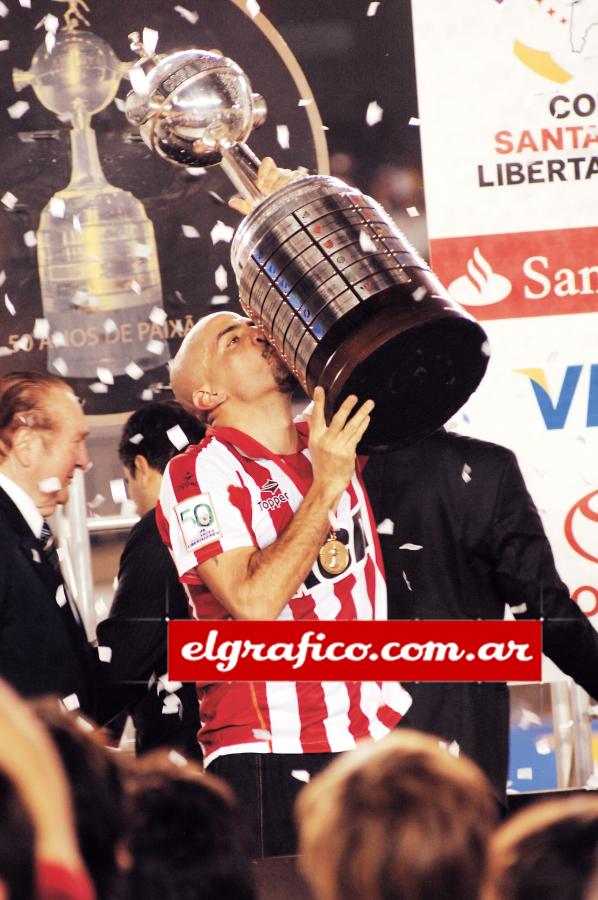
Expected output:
(335, 286)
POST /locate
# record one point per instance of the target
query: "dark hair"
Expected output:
(23, 397)
(153, 421)
(186, 839)
(16, 843)
(548, 850)
(96, 788)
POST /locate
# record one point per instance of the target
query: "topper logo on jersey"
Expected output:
(276, 500)
(581, 526)
(555, 411)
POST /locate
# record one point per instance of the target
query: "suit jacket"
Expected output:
(148, 593)
(483, 545)
(43, 650)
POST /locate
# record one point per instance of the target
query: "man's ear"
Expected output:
(142, 467)
(205, 400)
(24, 441)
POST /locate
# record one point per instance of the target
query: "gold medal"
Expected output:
(334, 556)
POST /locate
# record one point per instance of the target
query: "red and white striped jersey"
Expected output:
(246, 497)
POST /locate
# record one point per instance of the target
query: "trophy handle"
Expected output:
(241, 165)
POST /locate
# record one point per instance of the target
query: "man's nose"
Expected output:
(82, 458)
(256, 335)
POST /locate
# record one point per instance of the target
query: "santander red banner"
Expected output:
(236, 650)
(508, 276)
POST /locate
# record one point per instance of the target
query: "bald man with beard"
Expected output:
(246, 516)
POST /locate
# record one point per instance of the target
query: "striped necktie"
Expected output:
(51, 553)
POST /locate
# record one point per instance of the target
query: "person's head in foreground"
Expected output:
(398, 820)
(548, 850)
(185, 840)
(42, 436)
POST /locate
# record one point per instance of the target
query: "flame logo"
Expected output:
(481, 286)
(581, 527)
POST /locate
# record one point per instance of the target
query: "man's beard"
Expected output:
(284, 379)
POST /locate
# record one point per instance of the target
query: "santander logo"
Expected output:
(581, 527)
(481, 286)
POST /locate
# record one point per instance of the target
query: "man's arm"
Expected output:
(257, 584)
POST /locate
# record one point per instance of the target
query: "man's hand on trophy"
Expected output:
(269, 179)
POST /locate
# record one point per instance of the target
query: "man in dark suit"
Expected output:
(148, 594)
(464, 503)
(43, 645)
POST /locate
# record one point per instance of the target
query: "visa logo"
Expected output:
(555, 406)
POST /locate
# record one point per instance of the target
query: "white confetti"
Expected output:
(387, 526)
(41, 329)
(366, 243)
(84, 725)
(57, 207)
(374, 113)
(156, 347)
(97, 501)
(77, 223)
(169, 686)
(120, 104)
(188, 14)
(50, 485)
(592, 782)
(17, 109)
(522, 608)
(221, 278)
(71, 702)
(30, 239)
(485, 348)
(118, 490)
(4, 10)
(26, 4)
(260, 734)
(252, 7)
(110, 326)
(177, 436)
(50, 41)
(101, 608)
(177, 759)
(528, 718)
(158, 315)
(98, 388)
(147, 394)
(543, 746)
(221, 232)
(373, 8)
(411, 547)
(172, 705)
(525, 773)
(149, 40)
(300, 775)
(134, 371)
(466, 473)
(58, 339)
(9, 200)
(219, 299)
(412, 211)
(454, 749)
(105, 654)
(138, 80)
(22, 343)
(305, 102)
(143, 251)
(190, 231)
(4, 45)
(60, 596)
(419, 293)
(283, 136)
(407, 582)
(136, 287)
(414, 121)
(195, 170)
(105, 375)
(136, 439)
(61, 366)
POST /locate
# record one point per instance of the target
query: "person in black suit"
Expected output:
(148, 594)
(43, 645)
(465, 504)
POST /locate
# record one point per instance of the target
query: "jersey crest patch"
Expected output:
(197, 521)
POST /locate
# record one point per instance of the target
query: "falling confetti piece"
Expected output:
(522, 608)
(387, 526)
(485, 348)
(76, 223)
(134, 371)
(528, 718)
(60, 596)
(407, 582)
(57, 207)
(97, 501)
(50, 485)
(221, 278)
(195, 170)
(188, 14)
(305, 102)
(136, 287)
(373, 8)
(217, 198)
(142, 250)
(72, 701)
(221, 232)
(283, 136)
(61, 366)
(30, 239)
(261, 734)
(58, 339)
(219, 299)
(411, 547)
(158, 316)
(18, 109)
(138, 80)
(149, 40)
(252, 7)
(136, 439)
(592, 782)
(120, 104)
(454, 749)
(105, 654)
(156, 347)
(301, 775)
(177, 759)
(110, 326)
(21, 344)
(466, 473)
(525, 773)
(177, 436)
(118, 490)
(84, 725)
(543, 746)
(101, 608)
(147, 394)
(374, 113)
(172, 705)
(4, 45)
(412, 211)
(366, 243)
(4, 10)
(190, 231)
(41, 329)
(50, 41)
(26, 4)
(105, 375)
(9, 200)
(169, 686)
(414, 120)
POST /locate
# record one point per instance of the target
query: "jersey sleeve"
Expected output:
(195, 515)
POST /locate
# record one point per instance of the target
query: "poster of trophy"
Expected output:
(108, 255)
